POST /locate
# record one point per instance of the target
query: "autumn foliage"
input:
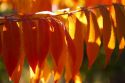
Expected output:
(33, 35)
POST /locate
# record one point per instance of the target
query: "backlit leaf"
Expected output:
(78, 41)
(120, 25)
(11, 45)
(18, 70)
(93, 36)
(70, 57)
(107, 32)
(43, 40)
(30, 42)
(57, 40)
(75, 38)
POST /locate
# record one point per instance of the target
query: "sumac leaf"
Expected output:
(57, 39)
(75, 38)
(71, 57)
(93, 35)
(11, 44)
(78, 42)
(30, 42)
(106, 32)
(120, 25)
(43, 40)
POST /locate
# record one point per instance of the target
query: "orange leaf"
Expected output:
(30, 42)
(106, 33)
(78, 42)
(11, 44)
(71, 57)
(75, 39)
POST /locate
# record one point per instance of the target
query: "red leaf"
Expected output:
(78, 41)
(30, 42)
(120, 28)
(11, 44)
(18, 70)
(75, 38)
(43, 40)
(57, 39)
(106, 32)
(92, 38)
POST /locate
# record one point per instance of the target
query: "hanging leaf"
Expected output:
(43, 40)
(78, 41)
(57, 40)
(106, 33)
(11, 44)
(120, 25)
(46, 71)
(75, 38)
(30, 42)
(92, 39)
(70, 57)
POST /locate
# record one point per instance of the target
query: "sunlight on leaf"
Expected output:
(100, 22)
(91, 31)
(54, 41)
(112, 13)
(57, 76)
(82, 18)
(106, 32)
(98, 41)
(112, 41)
(32, 74)
(122, 43)
(92, 46)
(72, 22)
(78, 79)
